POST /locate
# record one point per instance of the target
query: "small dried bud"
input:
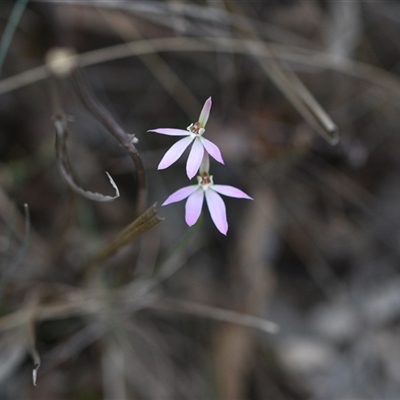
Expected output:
(133, 138)
(61, 61)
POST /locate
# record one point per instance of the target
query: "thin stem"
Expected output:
(7, 274)
(120, 135)
(220, 314)
(294, 54)
(140, 225)
(205, 164)
(12, 24)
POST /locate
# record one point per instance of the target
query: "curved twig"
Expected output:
(120, 135)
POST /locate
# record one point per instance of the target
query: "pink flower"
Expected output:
(195, 196)
(194, 134)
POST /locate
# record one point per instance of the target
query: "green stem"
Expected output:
(10, 29)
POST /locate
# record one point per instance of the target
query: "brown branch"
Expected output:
(64, 166)
(140, 225)
(120, 135)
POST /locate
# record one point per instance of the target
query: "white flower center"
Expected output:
(195, 130)
(205, 181)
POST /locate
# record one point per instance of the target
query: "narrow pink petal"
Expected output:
(195, 158)
(174, 152)
(217, 210)
(193, 207)
(205, 112)
(170, 131)
(212, 149)
(231, 191)
(180, 194)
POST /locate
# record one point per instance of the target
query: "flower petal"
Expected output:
(212, 149)
(195, 158)
(180, 194)
(205, 112)
(217, 210)
(231, 191)
(174, 152)
(170, 131)
(193, 207)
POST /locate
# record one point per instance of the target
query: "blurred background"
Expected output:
(317, 252)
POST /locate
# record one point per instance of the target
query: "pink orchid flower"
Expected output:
(195, 196)
(194, 133)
